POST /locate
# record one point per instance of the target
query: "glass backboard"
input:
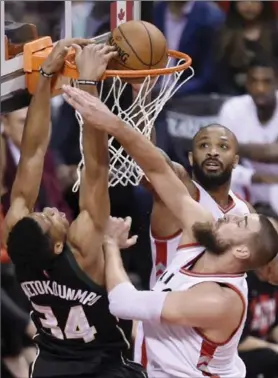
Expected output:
(24, 21)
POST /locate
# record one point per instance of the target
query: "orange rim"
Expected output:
(70, 68)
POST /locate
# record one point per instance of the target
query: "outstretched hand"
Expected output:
(117, 231)
(92, 61)
(92, 109)
(56, 59)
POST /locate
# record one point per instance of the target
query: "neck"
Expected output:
(220, 194)
(209, 263)
(265, 113)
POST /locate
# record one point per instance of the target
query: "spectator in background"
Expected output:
(249, 31)
(259, 343)
(253, 118)
(50, 193)
(89, 18)
(190, 26)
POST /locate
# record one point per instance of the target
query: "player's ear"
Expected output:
(241, 252)
(190, 158)
(58, 248)
(236, 160)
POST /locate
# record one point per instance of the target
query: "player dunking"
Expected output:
(194, 317)
(61, 266)
(213, 158)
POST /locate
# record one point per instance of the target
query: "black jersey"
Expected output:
(70, 311)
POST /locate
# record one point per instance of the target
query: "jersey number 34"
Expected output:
(77, 325)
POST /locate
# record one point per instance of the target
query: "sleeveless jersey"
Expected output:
(71, 312)
(180, 351)
(164, 249)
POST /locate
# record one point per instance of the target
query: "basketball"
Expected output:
(140, 45)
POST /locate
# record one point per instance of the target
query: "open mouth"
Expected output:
(212, 165)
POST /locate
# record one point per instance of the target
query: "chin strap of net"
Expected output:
(141, 115)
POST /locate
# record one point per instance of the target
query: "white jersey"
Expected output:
(164, 249)
(178, 351)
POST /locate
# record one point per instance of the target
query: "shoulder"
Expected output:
(234, 113)
(236, 102)
(219, 296)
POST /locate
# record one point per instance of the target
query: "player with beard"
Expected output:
(213, 158)
(193, 318)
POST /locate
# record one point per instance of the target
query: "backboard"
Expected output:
(23, 21)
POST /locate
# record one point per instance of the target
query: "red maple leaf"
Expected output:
(121, 15)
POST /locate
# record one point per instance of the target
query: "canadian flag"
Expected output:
(120, 12)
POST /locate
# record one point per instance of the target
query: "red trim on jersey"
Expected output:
(190, 245)
(214, 344)
(229, 207)
(245, 202)
(166, 238)
(144, 358)
(186, 271)
(198, 194)
(161, 255)
(206, 355)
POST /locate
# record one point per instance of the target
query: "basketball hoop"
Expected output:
(141, 115)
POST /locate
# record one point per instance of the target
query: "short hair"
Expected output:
(265, 245)
(261, 61)
(28, 245)
(212, 126)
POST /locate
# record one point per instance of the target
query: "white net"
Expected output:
(141, 115)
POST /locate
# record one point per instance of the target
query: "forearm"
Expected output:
(114, 269)
(125, 301)
(95, 144)
(95, 198)
(36, 133)
(252, 343)
(265, 153)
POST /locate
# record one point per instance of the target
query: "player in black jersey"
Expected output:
(60, 267)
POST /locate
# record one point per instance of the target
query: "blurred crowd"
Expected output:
(234, 48)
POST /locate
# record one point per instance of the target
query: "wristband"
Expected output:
(125, 302)
(44, 74)
(87, 82)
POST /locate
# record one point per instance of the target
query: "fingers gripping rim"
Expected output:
(70, 69)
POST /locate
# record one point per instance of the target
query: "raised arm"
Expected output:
(35, 139)
(170, 189)
(86, 233)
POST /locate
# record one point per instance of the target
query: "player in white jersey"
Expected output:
(214, 156)
(209, 308)
(165, 232)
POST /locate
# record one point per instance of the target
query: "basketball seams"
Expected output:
(162, 56)
(134, 52)
(151, 45)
